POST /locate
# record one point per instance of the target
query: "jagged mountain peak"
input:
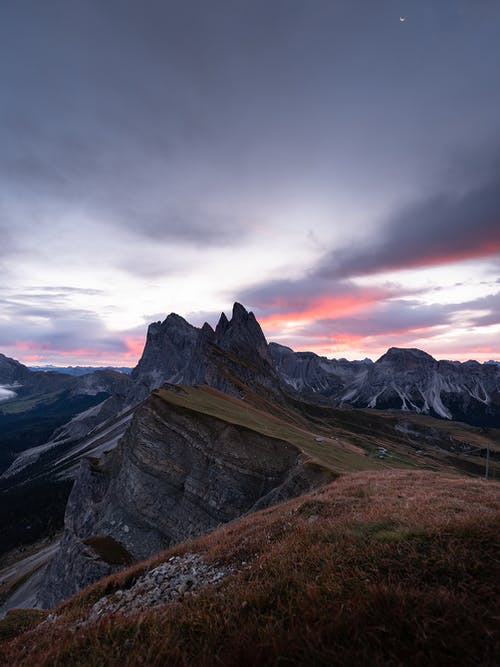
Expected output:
(206, 331)
(178, 352)
(222, 324)
(242, 335)
(240, 312)
(176, 321)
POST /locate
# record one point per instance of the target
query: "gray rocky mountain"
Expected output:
(313, 376)
(27, 383)
(39, 409)
(402, 379)
(231, 357)
(177, 473)
(177, 352)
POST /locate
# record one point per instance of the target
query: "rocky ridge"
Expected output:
(402, 379)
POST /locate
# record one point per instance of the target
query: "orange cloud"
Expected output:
(135, 346)
(314, 308)
(439, 258)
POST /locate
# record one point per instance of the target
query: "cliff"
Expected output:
(182, 469)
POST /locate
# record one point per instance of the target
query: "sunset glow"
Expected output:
(334, 169)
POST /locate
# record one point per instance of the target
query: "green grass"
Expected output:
(337, 456)
(19, 405)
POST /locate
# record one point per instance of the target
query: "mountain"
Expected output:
(38, 403)
(174, 351)
(191, 459)
(234, 361)
(402, 379)
(230, 358)
(25, 382)
(80, 370)
(313, 376)
(33, 419)
(235, 352)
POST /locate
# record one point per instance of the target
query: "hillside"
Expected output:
(349, 440)
(378, 568)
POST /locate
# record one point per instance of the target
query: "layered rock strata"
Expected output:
(176, 473)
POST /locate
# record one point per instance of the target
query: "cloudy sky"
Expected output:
(334, 165)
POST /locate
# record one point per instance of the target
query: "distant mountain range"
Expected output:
(80, 370)
(402, 379)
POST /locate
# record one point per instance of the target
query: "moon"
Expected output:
(402, 19)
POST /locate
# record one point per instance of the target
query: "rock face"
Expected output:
(176, 473)
(402, 379)
(167, 354)
(236, 352)
(311, 375)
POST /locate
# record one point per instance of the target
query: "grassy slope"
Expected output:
(351, 437)
(338, 455)
(377, 568)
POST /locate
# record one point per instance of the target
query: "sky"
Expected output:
(334, 165)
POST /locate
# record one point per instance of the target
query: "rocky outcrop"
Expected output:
(176, 473)
(167, 355)
(76, 564)
(178, 577)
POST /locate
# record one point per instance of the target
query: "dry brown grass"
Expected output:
(18, 621)
(393, 568)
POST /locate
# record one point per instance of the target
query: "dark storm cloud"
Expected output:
(175, 120)
(135, 134)
(439, 230)
(462, 223)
